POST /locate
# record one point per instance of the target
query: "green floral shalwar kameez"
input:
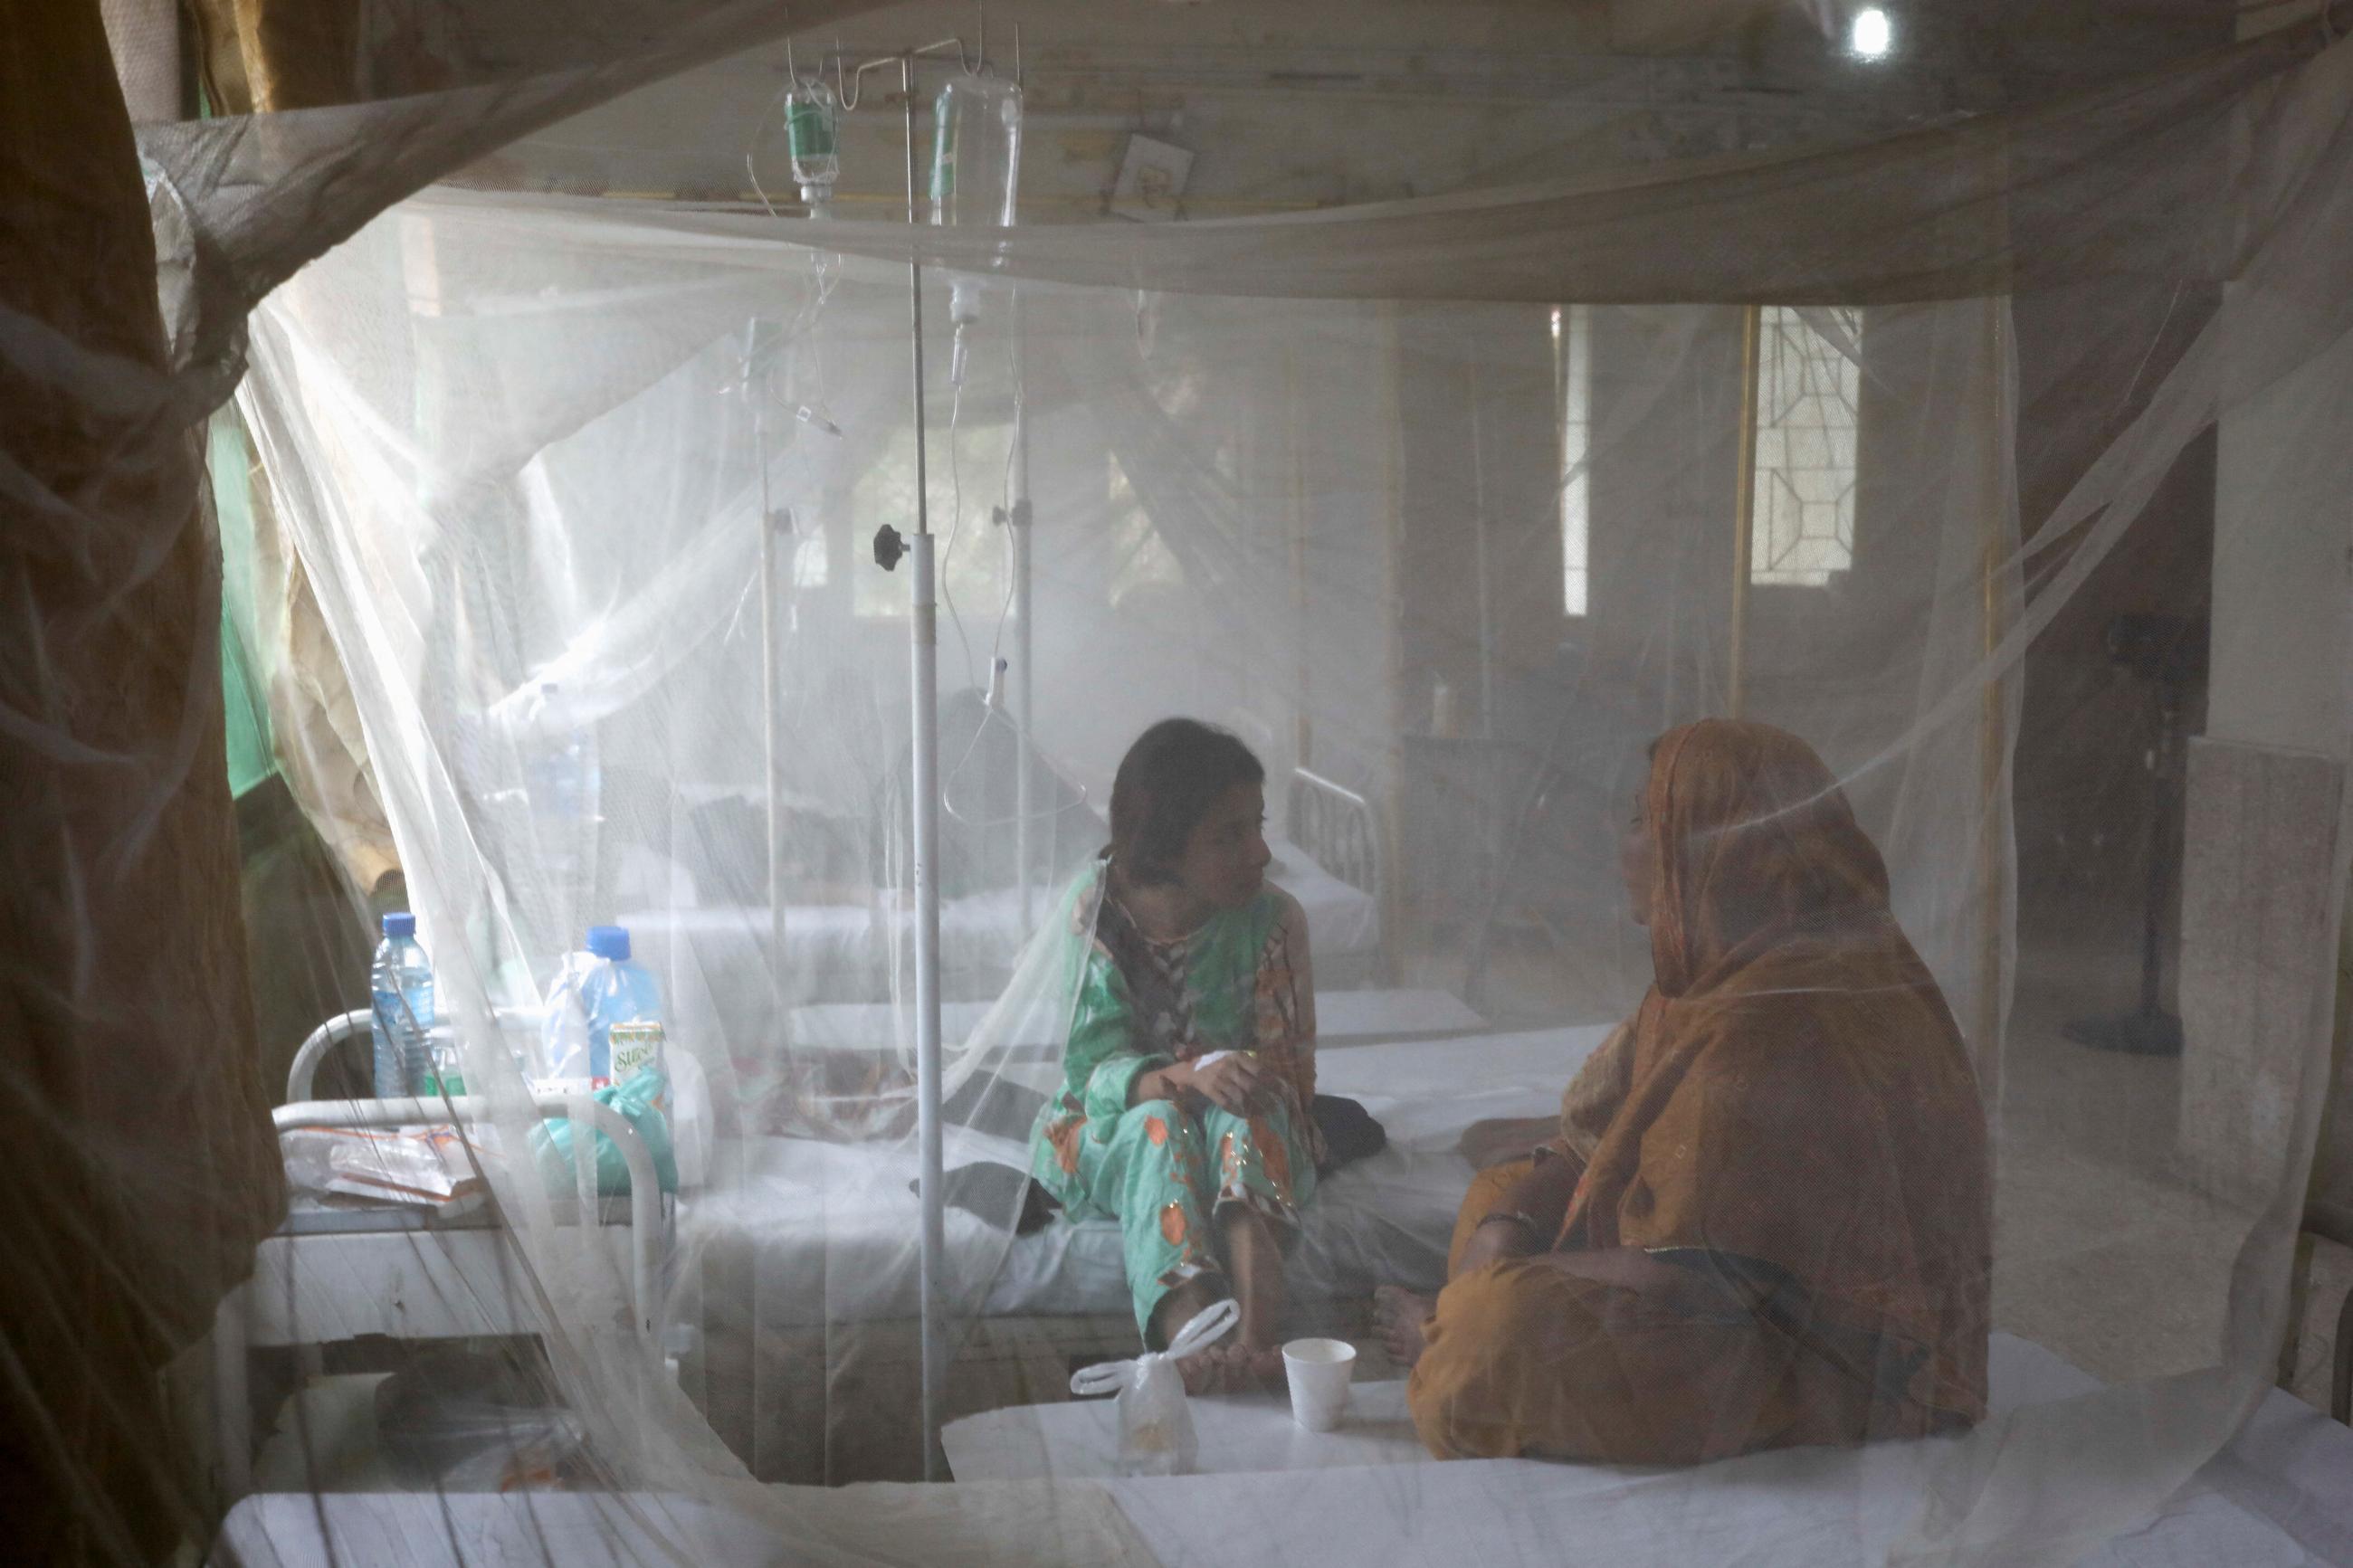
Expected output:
(1241, 980)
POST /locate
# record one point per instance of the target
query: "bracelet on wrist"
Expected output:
(1520, 1217)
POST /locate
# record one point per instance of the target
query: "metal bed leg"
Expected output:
(232, 1401)
(2340, 1382)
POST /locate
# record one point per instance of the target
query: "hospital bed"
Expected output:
(1331, 860)
(1342, 1017)
(811, 1296)
(1387, 1218)
(2274, 1497)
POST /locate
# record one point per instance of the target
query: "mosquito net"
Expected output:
(1461, 514)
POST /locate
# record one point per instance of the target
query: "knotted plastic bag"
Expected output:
(551, 1141)
(1155, 1425)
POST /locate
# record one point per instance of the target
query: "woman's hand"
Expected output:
(1500, 1238)
(1526, 1221)
(1232, 1083)
(1627, 1268)
(1499, 1141)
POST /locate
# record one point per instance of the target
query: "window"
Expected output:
(1808, 387)
(812, 561)
(1143, 558)
(1572, 353)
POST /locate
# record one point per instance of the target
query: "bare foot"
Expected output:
(1220, 1369)
(1231, 1369)
(1398, 1316)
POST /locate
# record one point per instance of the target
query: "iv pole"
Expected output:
(772, 736)
(923, 630)
(923, 646)
(1018, 520)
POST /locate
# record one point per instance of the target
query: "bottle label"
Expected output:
(944, 163)
(636, 1046)
(808, 129)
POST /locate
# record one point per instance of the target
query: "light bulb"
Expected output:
(1873, 34)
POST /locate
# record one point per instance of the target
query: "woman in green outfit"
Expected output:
(1190, 1070)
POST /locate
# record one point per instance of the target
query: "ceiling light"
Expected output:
(1873, 34)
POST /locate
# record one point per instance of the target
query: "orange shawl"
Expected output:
(1799, 1094)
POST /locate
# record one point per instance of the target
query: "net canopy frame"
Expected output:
(1842, 430)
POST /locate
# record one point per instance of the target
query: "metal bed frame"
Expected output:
(1342, 830)
(404, 1272)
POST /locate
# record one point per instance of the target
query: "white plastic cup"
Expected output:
(1319, 1370)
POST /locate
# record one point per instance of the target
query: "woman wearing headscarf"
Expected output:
(1765, 1220)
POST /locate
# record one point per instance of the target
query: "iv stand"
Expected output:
(923, 635)
(772, 735)
(1018, 520)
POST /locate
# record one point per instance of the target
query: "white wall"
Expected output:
(2281, 571)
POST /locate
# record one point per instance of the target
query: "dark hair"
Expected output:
(1165, 785)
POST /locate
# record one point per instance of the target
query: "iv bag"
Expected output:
(811, 113)
(975, 151)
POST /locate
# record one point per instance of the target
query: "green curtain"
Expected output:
(251, 758)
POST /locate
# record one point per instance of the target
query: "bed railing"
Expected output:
(581, 1109)
(1340, 828)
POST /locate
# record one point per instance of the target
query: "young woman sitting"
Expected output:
(1190, 1071)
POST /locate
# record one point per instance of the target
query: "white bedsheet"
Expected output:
(2276, 1497)
(1340, 1016)
(842, 1216)
(1247, 1434)
(1037, 1526)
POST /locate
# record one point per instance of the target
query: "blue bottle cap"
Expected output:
(400, 923)
(609, 941)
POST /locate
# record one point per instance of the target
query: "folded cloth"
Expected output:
(1350, 1133)
(986, 1103)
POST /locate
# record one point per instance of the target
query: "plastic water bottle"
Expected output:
(565, 786)
(445, 1073)
(594, 990)
(401, 982)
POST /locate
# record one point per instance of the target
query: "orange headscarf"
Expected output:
(1799, 1096)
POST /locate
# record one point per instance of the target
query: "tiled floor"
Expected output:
(2328, 1275)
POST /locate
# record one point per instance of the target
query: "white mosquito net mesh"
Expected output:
(1449, 508)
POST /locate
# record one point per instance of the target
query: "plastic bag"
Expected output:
(1155, 1423)
(426, 1167)
(551, 1141)
(689, 1117)
(459, 1421)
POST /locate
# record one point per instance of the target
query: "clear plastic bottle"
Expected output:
(401, 984)
(567, 773)
(812, 117)
(565, 784)
(595, 989)
(445, 1063)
